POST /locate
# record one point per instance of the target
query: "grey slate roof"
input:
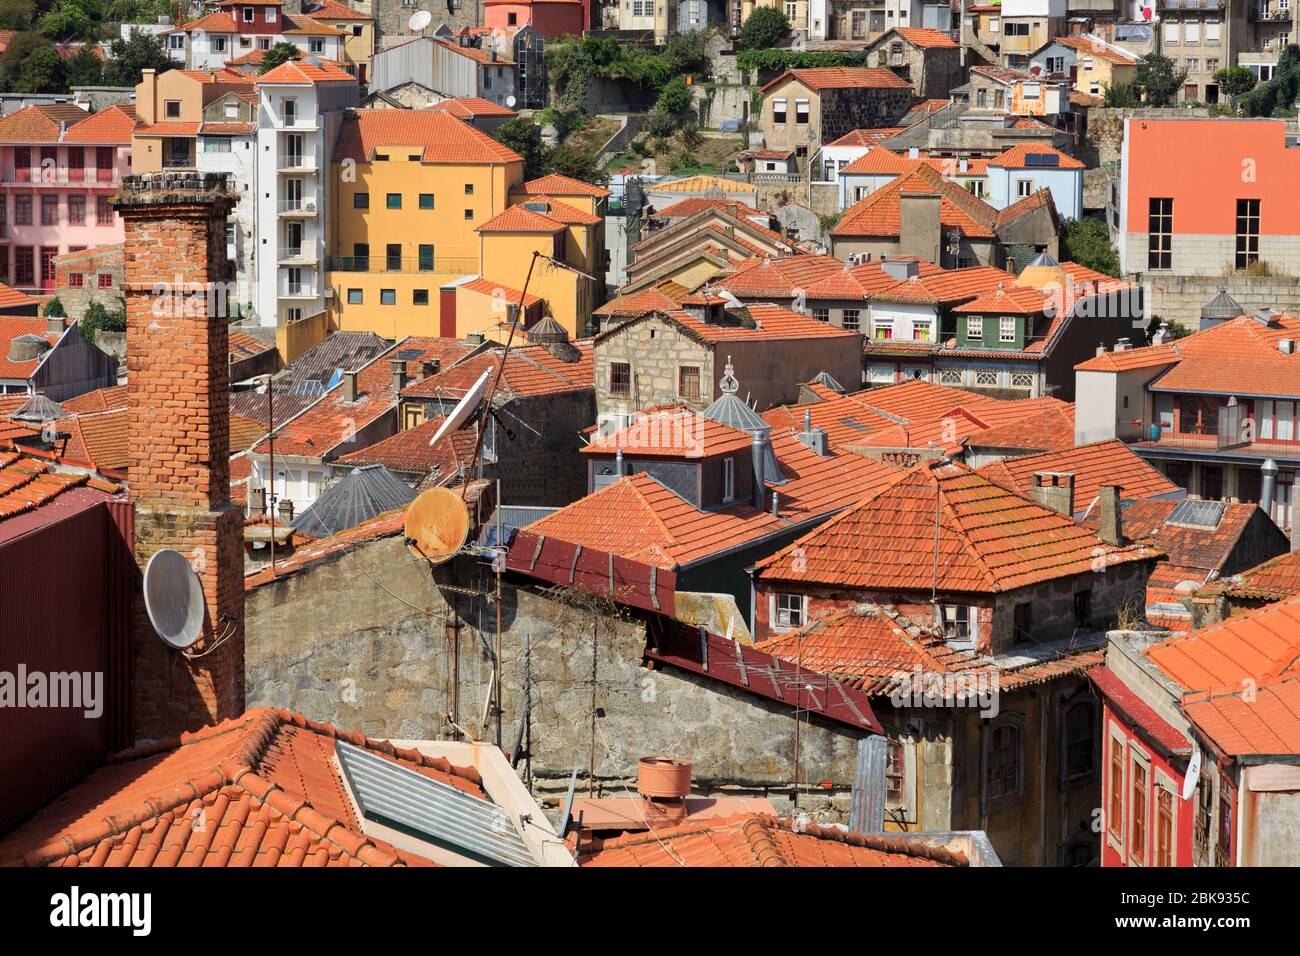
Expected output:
(358, 496)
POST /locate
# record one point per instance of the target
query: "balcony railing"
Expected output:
(447, 265)
(61, 177)
(1270, 14)
(297, 207)
(298, 290)
(178, 162)
(295, 161)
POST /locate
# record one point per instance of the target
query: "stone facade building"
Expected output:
(92, 275)
(928, 59)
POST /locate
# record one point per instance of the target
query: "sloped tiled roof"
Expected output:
(264, 784)
(989, 539)
(636, 304)
(879, 213)
(1094, 46)
(761, 840)
(1263, 642)
(28, 484)
(868, 137)
(98, 400)
(305, 71)
(471, 107)
(674, 431)
(772, 323)
(1094, 465)
(701, 184)
(482, 57)
(1275, 579)
(410, 450)
(925, 37)
(862, 281)
(1014, 158)
(1007, 299)
(333, 10)
(15, 326)
(1237, 357)
(443, 137)
(40, 124)
(1128, 359)
(1265, 724)
(98, 440)
(844, 77)
(1048, 431)
(530, 371)
(111, 125)
(777, 278)
(519, 219)
(557, 184)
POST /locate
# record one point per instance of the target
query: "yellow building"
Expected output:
(358, 31)
(1097, 64)
(171, 107)
(419, 202)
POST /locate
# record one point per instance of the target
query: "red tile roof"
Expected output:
(28, 484)
(1273, 580)
(99, 400)
(386, 525)
(989, 540)
(879, 161)
(1007, 300)
(331, 421)
(1094, 47)
(304, 71)
(879, 213)
(1237, 357)
(689, 207)
(14, 326)
(530, 371)
(1260, 643)
(488, 287)
(111, 125)
(443, 137)
(868, 137)
(518, 219)
(675, 431)
(556, 184)
(844, 77)
(1266, 723)
(637, 304)
(1094, 465)
(779, 278)
(482, 57)
(1128, 359)
(862, 281)
(1015, 157)
(471, 107)
(264, 786)
(926, 38)
(40, 124)
(411, 450)
(333, 10)
(1048, 431)
(563, 212)
(758, 840)
(10, 297)
(97, 440)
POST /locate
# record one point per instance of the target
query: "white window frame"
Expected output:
(776, 611)
(1006, 329)
(975, 327)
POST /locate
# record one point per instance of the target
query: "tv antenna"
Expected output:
(173, 598)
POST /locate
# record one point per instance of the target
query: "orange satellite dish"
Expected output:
(438, 524)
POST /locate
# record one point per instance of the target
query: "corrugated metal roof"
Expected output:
(390, 794)
(365, 493)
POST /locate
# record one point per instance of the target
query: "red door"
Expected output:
(47, 268)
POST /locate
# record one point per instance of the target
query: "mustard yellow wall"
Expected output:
(446, 226)
(147, 151)
(390, 321)
(506, 257)
(357, 49)
(1104, 73)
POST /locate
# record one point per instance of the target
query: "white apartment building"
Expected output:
(300, 110)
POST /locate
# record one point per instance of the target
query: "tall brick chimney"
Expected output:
(179, 442)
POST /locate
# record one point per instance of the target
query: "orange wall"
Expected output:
(1205, 166)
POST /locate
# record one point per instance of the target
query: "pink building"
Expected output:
(550, 18)
(59, 166)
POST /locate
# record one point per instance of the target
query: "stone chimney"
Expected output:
(399, 374)
(1112, 522)
(1055, 490)
(919, 233)
(179, 445)
(56, 324)
(349, 387)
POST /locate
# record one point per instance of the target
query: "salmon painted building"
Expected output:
(1205, 197)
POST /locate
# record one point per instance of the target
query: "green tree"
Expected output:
(54, 307)
(765, 27)
(1120, 96)
(1236, 80)
(70, 20)
(1158, 79)
(282, 52)
(525, 138)
(16, 14)
(1087, 242)
(84, 69)
(675, 97)
(20, 47)
(42, 72)
(128, 59)
(574, 162)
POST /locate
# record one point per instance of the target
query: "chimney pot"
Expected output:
(665, 783)
(399, 374)
(56, 323)
(349, 386)
(1055, 490)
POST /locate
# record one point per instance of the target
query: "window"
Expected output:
(1012, 29)
(426, 200)
(394, 200)
(1115, 810)
(822, 315)
(975, 327)
(1022, 379)
(1192, 31)
(105, 280)
(778, 111)
(419, 297)
(1002, 760)
(1022, 621)
(852, 319)
(986, 377)
(23, 210)
(469, 214)
(231, 108)
(620, 378)
(1172, 31)
(172, 109)
(103, 211)
(49, 210)
(791, 10)
(801, 112)
(1164, 826)
(361, 256)
(688, 382)
(1006, 329)
(1078, 731)
(1212, 31)
(216, 144)
(356, 296)
(1024, 187)
(76, 280)
(290, 111)
(270, 14)
(361, 200)
(469, 189)
(218, 44)
(728, 479)
(77, 210)
(316, 46)
(426, 257)
(1160, 233)
(248, 14)
(512, 19)
(1137, 830)
(1083, 609)
(264, 43)
(789, 611)
(956, 622)
(176, 41)
(388, 297)
(393, 257)
(895, 772)
(949, 376)
(882, 329)
(1247, 232)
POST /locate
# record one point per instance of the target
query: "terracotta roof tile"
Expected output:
(862, 281)
(28, 484)
(879, 213)
(778, 278)
(264, 783)
(868, 137)
(410, 450)
(333, 10)
(844, 77)
(304, 71)
(530, 371)
(1098, 48)
(756, 840)
(111, 125)
(1260, 643)
(1051, 430)
(689, 207)
(519, 219)
(41, 123)
(673, 431)
(14, 326)
(1094, 465)
(1016, 157)
(925, 37)
(701, 184)
(637, 304)
(556, 184)
(471, 107)
(482, 57)
(1267, 723)
(989, 540)
(1273, 580)
(443, 137)
(98, 400)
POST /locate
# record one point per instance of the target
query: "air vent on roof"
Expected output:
(1042, 159)
(24, 348)
(1197, 514)
(1264, 316)
(395, 796)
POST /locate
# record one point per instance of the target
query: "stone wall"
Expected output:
(843, 111)
(87, 266)
(715, 102)
(1178, 299)
(365, 641)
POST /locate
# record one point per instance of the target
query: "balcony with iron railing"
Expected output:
(87, 176)
(303, 289)
(297, 208)
(305, 254)
(296, 162)
(446, 265)
(1270, 14)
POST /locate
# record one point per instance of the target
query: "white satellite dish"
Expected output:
(511, 101)
(1193, 775)
(419, 20)
(464, 408)
(173, 597)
